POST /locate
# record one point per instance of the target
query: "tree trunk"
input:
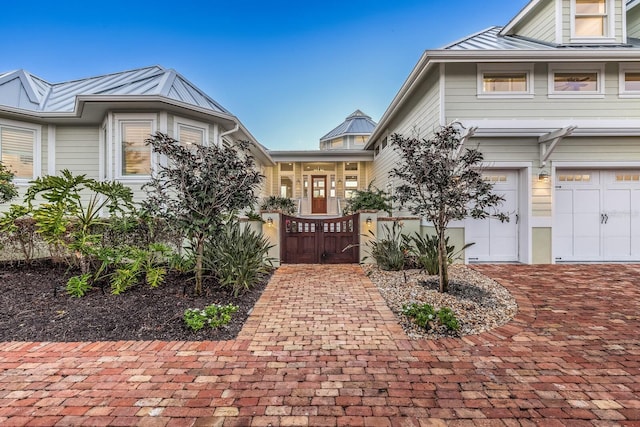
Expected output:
(198, 268)
(443, 262)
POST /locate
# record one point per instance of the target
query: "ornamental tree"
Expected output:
(198, 186)
(442, 181)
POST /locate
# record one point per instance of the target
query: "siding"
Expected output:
(462, 101)
(77, 150)
(633, 22)
(44, 149)
(542, 23)
(419, 117)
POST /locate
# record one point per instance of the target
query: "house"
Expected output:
(97, 126)
(321, 181)
(552, 100)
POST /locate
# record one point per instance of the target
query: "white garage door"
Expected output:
(496, 241)
(597, 216)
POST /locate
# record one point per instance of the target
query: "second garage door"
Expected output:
(597, 216)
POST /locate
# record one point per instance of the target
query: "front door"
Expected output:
(319, 194)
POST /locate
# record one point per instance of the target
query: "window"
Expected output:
(629, 81)
(590, 19)
(286, 186)
(136, 156)
(337, 143)
(350, 185)
(286, 167)
(574, 177)
(190, 132)
(505, 80)
(361, 139)
(351, 166)
(16, 146)
(572, 82)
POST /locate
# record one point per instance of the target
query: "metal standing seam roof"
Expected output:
(356, 123)
(61, 97)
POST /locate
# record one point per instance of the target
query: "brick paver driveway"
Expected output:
(322, 349)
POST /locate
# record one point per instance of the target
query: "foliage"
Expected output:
(424, 251)
(425, 316)
(441, 182)
(198, 186)
(19, 230)
(78, 286)
(237, 257)
(389, 250)
(8, 189)
(213, 316)
(372, 199)
(127, 266)
(281, 204)
(67, 223)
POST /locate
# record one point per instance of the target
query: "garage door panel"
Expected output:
(617, 224)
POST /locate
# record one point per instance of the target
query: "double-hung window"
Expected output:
(591, 19)
(134, 156)
(579, 81)
(505, 80)
(18, 150)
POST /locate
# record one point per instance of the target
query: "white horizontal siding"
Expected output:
(77, 150)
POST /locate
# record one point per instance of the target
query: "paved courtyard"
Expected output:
(322, 349)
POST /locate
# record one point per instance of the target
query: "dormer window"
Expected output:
(591, 19)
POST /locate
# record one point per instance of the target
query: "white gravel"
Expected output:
(478, 302)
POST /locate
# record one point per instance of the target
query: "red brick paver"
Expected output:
(322, 349)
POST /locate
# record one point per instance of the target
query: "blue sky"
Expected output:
(290, 70)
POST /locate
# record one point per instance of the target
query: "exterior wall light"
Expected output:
(269, 222)
(369, 221)
(543, 176)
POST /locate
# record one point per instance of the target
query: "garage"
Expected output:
(496, 241)
(597, 215)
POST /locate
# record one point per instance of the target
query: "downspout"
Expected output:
(229, 132)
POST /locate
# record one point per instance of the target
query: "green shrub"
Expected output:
(78, 286)
(281, 204)
(424, 251)
(237, 257)
(389, 251)
(8, 189)
(212, 316)
(371, 199)
(425, 316)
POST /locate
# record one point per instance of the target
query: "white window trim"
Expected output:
(505, 68)
(610, 27)
(37, 148)
(179, 121)
(118, 120)
(622, 92)
(576, 68)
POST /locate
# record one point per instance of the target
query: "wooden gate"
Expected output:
(319, 241)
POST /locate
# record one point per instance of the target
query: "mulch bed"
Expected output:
(35, 307)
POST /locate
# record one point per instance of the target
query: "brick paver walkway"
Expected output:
(322, 349)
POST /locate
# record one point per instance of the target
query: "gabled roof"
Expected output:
(23, 90)
(491, 39)
(357, 123)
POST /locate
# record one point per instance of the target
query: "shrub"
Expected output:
(213, 316)
(78, 286)
(371, 199)
(281, 204)
(18, 231)
(424, 251)
(8, 189)
(389, 251)
(425, 316)
(237, 257)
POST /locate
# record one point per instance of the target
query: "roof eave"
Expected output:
(321, 155)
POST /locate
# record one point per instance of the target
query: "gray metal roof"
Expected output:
(490, 39)
(20, 89)
(357, 123)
